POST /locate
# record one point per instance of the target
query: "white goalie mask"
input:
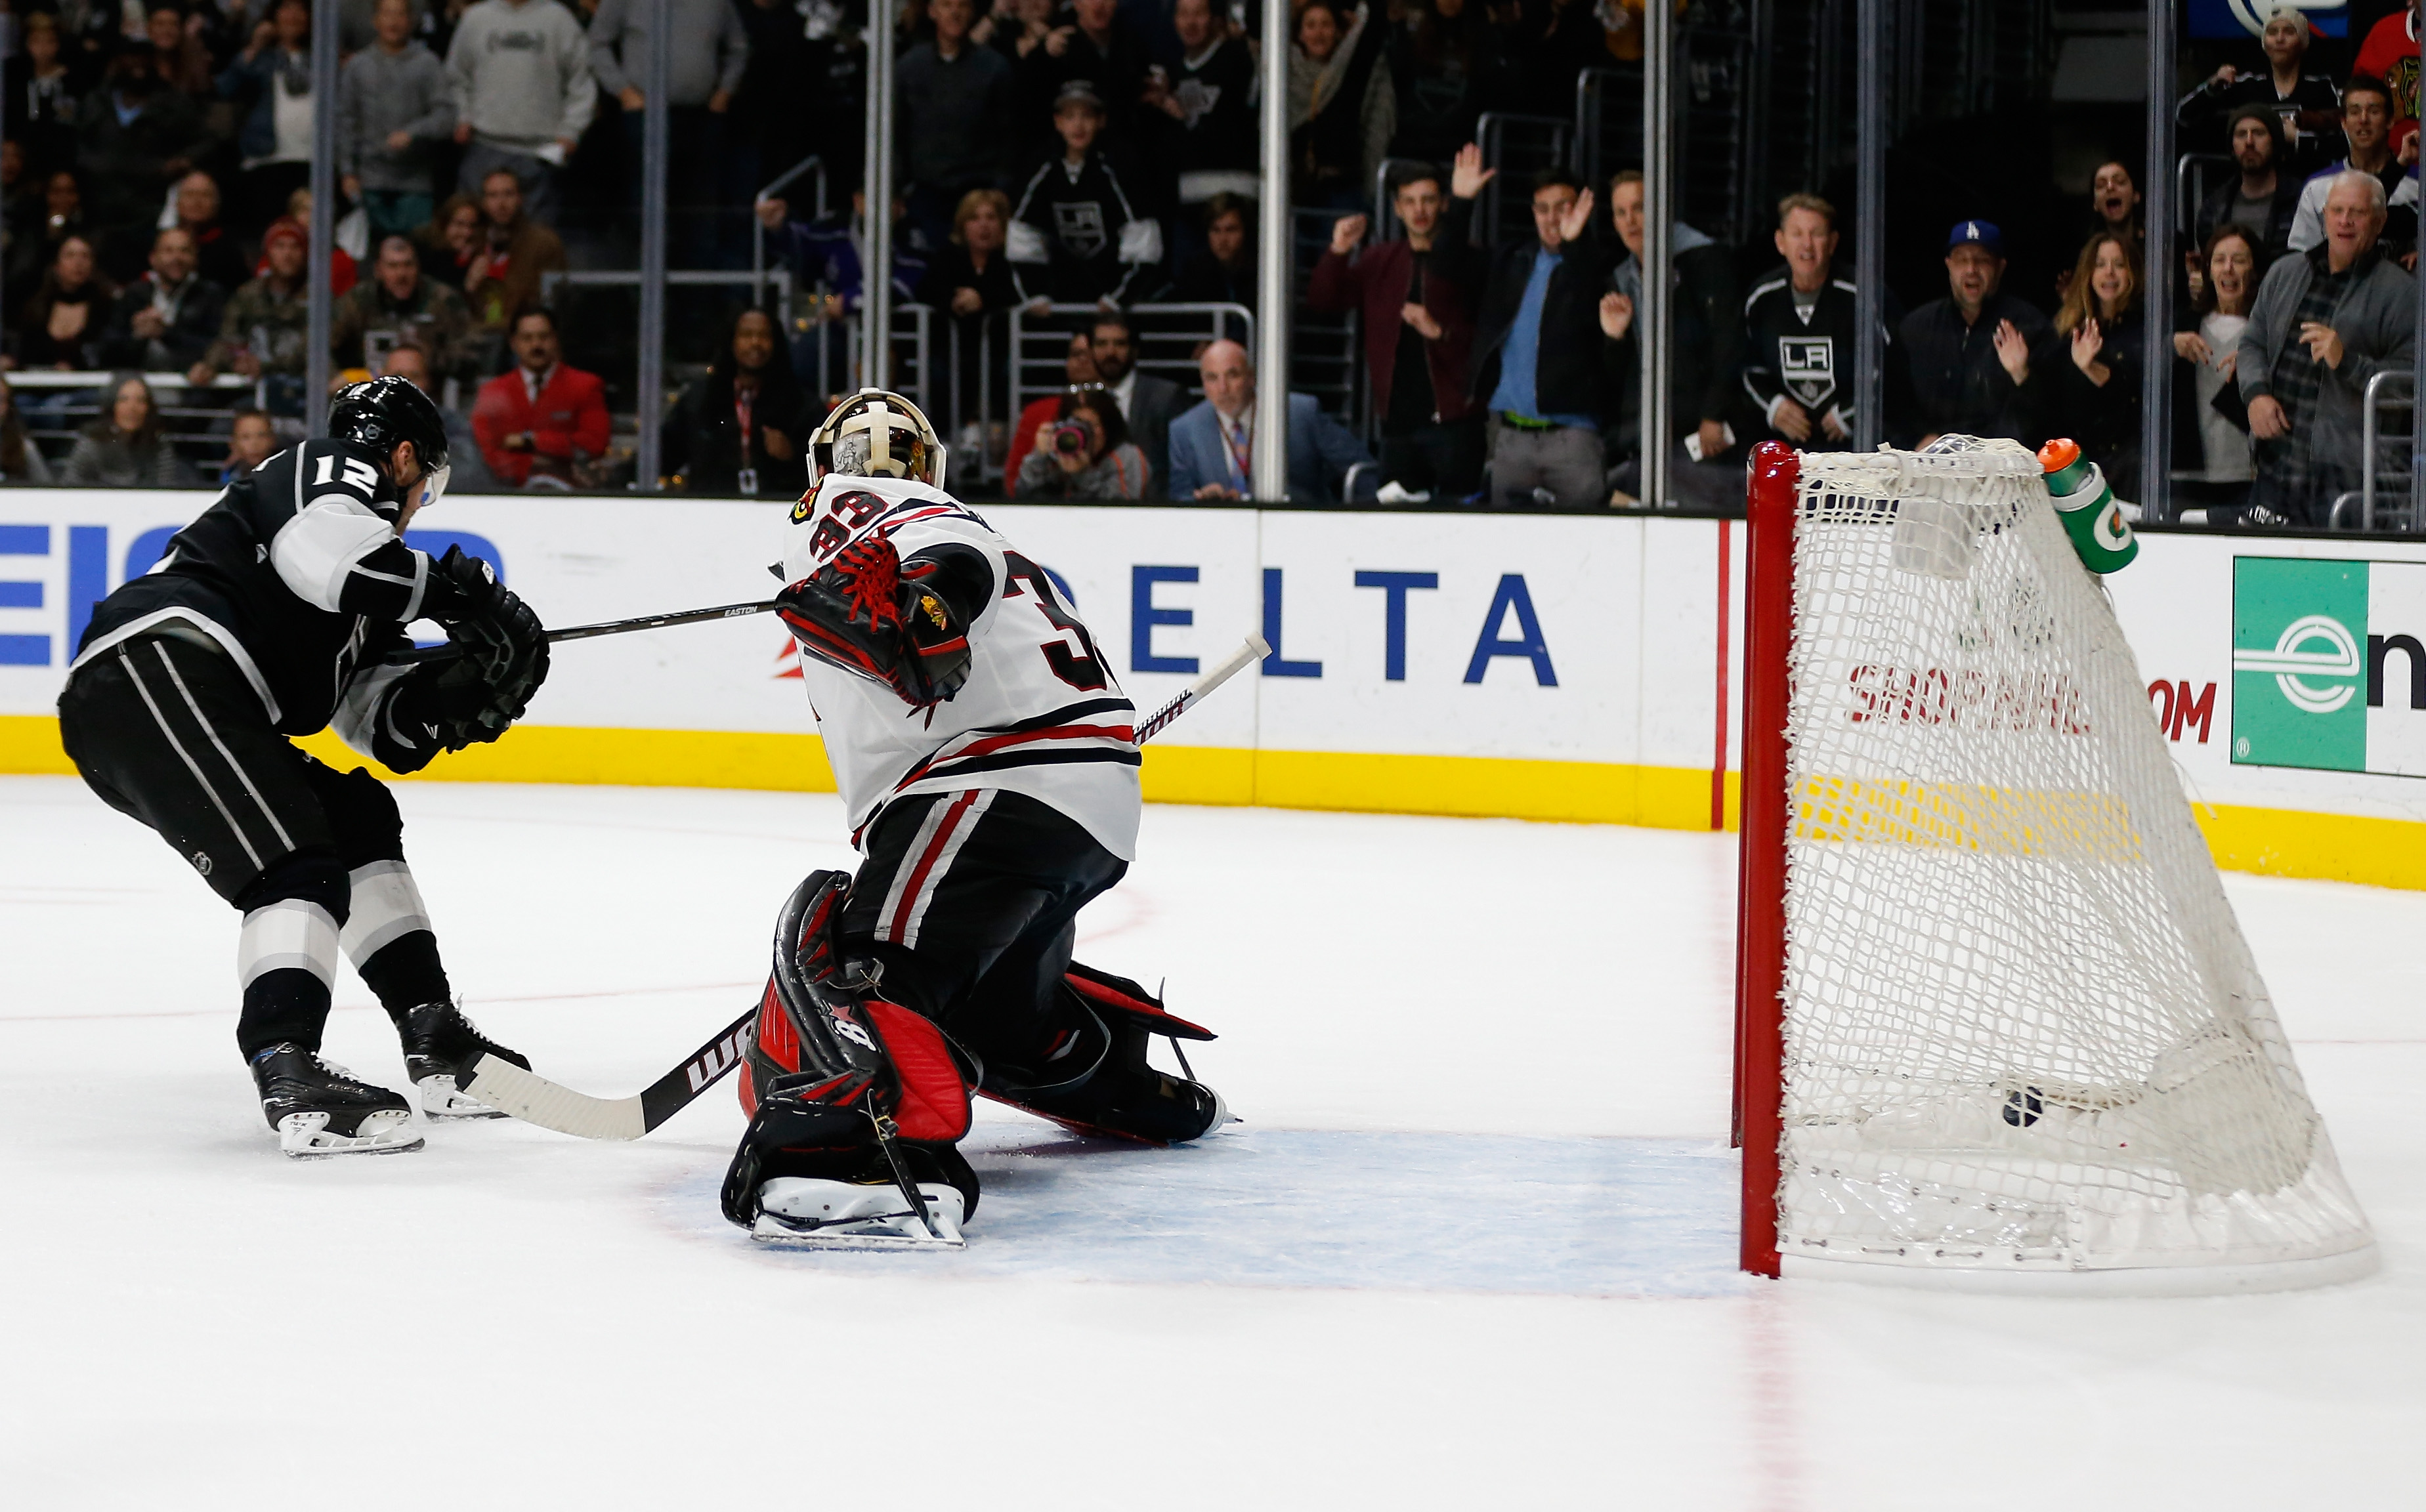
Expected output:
(876, 433)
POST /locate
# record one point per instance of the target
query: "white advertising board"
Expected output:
(1542, 667)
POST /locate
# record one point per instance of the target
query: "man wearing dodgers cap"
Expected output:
(1970, 352)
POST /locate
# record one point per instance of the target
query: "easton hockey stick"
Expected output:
(622, 627)
(534, 1099)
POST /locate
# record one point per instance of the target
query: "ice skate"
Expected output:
(1120, 1095)
(805, 1213)
(440, 1047)
(319, 1109)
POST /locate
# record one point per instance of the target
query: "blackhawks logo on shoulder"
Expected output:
(805, 507)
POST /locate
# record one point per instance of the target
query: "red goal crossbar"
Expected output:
(1761, 908)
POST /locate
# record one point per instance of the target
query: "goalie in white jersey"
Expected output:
(987, 759)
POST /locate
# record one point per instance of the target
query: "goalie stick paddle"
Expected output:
(534, 1099)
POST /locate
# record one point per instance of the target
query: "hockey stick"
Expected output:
(622, 627)
(534, 1099)
(1255, 648)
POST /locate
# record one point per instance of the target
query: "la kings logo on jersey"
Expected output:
(1808, 366)
(1080, 226)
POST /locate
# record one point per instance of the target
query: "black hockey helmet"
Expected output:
(387, 410)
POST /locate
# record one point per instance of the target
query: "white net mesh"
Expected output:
(2022, 1029)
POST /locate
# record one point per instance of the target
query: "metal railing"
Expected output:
(1167, 338)
(74, 398)
(2192, 183)
(1325, 349)
(812, 164)
(2383, 499)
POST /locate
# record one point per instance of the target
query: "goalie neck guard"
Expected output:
(876, 433)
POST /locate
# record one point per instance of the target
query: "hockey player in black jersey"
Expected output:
(282, 610)
(988, 761)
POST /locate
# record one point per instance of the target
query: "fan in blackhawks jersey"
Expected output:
(987, 761)
(281, 610)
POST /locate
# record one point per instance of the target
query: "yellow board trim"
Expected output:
(2271, 841)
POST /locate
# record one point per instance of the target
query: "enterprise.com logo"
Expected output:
(2328, 670)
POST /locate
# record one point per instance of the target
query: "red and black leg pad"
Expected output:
(831, 1058)
(1093, 1079)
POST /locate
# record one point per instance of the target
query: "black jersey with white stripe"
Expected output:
(296, 571)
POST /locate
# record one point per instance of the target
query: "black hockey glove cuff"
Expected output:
(867, 614)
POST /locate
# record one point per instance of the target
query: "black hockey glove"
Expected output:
(498, 639)
(868, 615)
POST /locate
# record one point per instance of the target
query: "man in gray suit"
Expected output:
(1147, 402)
(1212, 446)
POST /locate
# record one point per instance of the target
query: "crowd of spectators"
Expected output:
(1103, 154)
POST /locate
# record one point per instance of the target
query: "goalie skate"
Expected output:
(804, 1212)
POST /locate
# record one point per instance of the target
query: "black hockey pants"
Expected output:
(168, 732)
(971, 899)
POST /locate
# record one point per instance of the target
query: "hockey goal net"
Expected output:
(1996, 1021)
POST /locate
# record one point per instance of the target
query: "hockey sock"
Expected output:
(286, 955)
(389, 939)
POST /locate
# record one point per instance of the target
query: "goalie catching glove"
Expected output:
(867, 613)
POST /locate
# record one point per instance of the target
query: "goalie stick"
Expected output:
(534, 1099)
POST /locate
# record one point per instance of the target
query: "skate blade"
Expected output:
(442, 1099)
(806, 1213)
(893, 1232)
(306, 1136)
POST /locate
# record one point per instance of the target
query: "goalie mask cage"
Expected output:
(1995, 1024)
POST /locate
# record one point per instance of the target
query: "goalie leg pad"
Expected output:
(822, 1130)
(1119, 1095)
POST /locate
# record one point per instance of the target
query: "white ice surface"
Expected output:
(1473, 1249)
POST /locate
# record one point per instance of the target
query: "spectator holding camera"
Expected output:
(1078, 367)
(1970, 352)
(1084, 453)
(2325, 321)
